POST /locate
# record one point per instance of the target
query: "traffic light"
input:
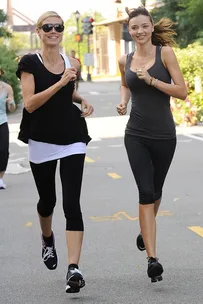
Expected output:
(78, 38)
(87, 25)
(125, 33)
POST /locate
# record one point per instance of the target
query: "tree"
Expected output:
(188, 18)
(191, 19)
(3, 31)
(8, 62)
(19, 41)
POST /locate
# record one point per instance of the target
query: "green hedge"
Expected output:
(191, 63)
(8, 62)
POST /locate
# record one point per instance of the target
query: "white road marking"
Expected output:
(16, 160)
(96, 139)
(115, 146)
(184, 140)
(94, 93)
(12, 155)
(13, 138)
(194, 137)
(16, 169)
(92, 148)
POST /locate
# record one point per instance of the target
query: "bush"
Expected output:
(8, 63)
(191, 64)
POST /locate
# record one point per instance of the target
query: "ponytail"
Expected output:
(163, 33)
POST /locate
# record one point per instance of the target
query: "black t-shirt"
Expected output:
(58, 121)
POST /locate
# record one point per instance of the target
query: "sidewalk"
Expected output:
(109, 127)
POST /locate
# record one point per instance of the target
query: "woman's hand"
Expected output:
(8, 101)
(10, 104)
(70, 74)
(122, 108)
(143, 74)
(86, 108)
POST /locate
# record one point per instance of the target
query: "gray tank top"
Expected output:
(150, 114)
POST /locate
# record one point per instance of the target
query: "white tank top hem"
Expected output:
(40, 152)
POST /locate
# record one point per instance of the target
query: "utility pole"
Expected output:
(143, 2)
(77, 17)
(88, 30)
(9, 14)
(88, 51)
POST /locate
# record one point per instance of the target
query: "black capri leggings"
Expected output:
(4, 146)
(71, 172)
(150, 160)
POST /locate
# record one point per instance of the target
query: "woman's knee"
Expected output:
(158, 195)
(46, 207)
(146, 197)
(74, 222)
(4, 155)
(73, 215)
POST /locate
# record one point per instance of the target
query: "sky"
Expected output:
(34, 8)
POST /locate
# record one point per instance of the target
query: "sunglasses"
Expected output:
(48, 27)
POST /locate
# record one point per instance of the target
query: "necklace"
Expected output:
(144, 62)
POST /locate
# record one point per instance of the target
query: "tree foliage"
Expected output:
(19, 41)
(188, 18)
(191, 63)
(9, 63)
(3, 31)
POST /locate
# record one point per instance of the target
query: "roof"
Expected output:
(110, 21)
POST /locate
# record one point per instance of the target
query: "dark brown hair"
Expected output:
(163, 33)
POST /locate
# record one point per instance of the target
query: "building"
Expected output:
(111, 38)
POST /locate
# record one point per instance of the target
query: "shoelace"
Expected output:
(49, 253)
(75, 270)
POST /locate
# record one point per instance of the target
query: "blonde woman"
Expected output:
(55, 129)
(150, 76)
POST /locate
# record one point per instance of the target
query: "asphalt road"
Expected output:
(115, 271)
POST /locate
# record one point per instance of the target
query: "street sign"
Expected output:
(89, 59)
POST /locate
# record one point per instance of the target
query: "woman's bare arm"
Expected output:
(125, 92)
(33, 101)
(178, 88)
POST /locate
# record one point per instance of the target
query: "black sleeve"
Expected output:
(26, 64)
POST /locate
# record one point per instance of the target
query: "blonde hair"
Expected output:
(163, 33)
(47, 15)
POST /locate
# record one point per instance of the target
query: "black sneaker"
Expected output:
(140, 243)
(74, 280)
(49, 255)
(154, 270)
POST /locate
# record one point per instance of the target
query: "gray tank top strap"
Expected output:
(4, 91)
(3, 85)
(158, 54)
(128, 60)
